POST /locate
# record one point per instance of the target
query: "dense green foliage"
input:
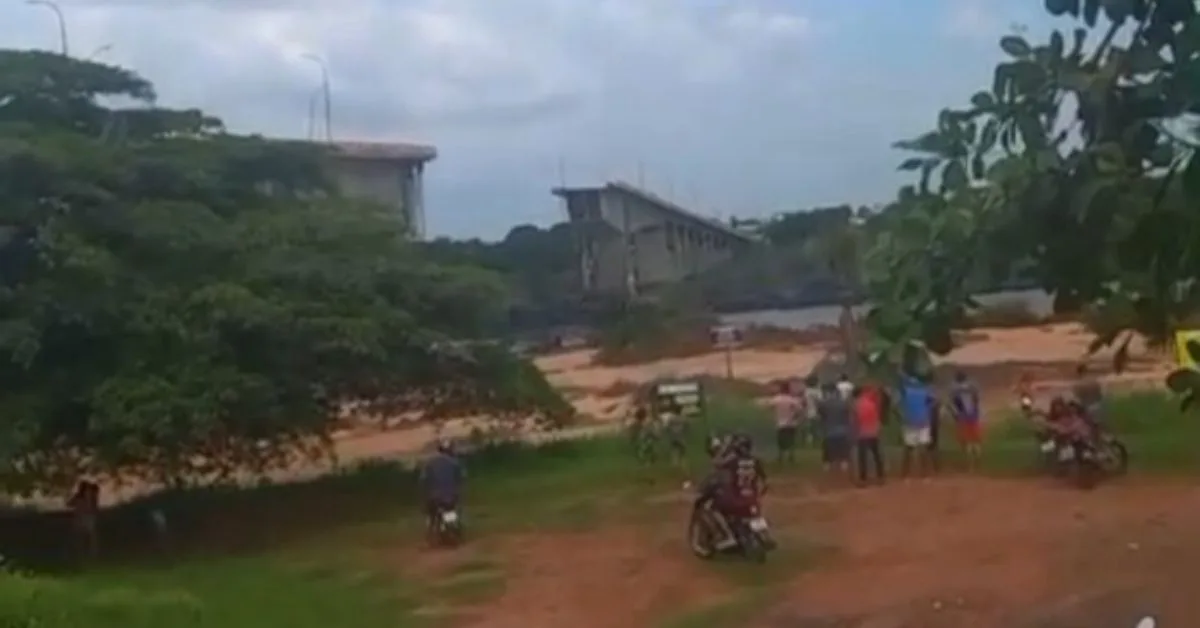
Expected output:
(1079, 158)
(177, 302)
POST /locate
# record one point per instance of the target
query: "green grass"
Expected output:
(314, 553)
(319, 552)
(1160, 439)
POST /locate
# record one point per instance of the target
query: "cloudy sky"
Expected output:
(743, 107)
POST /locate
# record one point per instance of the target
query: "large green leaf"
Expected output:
(1191, 179)
(1062, 7)
(983, 100)
(1016, 46)
(1193, 349)
(1182, 381)
(954, 175)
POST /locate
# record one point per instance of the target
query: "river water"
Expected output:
(1038, 302)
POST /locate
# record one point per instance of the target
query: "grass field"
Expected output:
(317, 553)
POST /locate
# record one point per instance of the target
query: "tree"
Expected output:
(177, 303)
(1076, 158)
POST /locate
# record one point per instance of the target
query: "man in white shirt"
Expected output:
(786, 407)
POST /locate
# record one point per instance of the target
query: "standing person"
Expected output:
(964, 404)
(812, 403)
(845, 387)
(85, 511)
(935, 432)
(836, 431)
(640, 437)
(915, 406)
(867, 419)
(674, 426)
(787, 413)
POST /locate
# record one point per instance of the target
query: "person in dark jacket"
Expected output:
(442, 477)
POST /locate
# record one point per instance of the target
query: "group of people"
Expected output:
(847, 419)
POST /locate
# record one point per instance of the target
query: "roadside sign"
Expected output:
(688, 395)
(725, 336)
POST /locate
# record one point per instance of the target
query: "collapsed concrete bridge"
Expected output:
(631, 239)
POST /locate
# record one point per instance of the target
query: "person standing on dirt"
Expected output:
(674, 426)
(787, 410)
(916, 404)
(845, 387)
(836, 431)
(441, 477)
(868, 420)
(964, 404)
(812, 403)
(933, 450)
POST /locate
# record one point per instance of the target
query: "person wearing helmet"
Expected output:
(441, 478)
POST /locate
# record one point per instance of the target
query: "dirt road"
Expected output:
(952, 552)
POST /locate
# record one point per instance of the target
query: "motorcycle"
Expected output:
(751, 534)
(1094, 460)
(445, 526)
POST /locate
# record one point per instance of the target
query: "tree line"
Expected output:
(178, 303)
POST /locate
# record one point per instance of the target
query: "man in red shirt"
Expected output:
(867, 422)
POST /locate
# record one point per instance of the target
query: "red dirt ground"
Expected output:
(953, 552)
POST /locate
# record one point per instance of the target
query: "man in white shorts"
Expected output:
(916, 412)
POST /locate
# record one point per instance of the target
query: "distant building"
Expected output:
(389, 173)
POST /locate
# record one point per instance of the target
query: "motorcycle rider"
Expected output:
(441, 478)
(737, 482)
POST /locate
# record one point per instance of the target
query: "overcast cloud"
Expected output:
(728, 106)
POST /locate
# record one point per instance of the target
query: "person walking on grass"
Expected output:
(787, 414)
(836, 431)
(964, 403)
(916, 403)
(868, 420)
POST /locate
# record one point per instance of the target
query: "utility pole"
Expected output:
(62, 22)
(327, 92)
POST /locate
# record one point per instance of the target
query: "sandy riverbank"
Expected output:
(993, 357)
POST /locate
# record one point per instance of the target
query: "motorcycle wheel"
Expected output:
(700, 537)
(450, 536)
(1118, 457)
(753, 547)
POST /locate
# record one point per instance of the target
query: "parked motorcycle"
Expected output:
(751, 533)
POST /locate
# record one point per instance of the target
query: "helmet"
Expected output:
(742, 444)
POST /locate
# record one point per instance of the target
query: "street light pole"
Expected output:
(327, 93)
(62, 21)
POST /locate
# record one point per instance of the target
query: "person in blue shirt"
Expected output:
(964, 402)
(916, 401)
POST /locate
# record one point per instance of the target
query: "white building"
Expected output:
(389, 173)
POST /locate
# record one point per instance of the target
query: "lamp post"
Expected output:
(326, 93)
(62, 21)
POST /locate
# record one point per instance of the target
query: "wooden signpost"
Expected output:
(727, 338)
